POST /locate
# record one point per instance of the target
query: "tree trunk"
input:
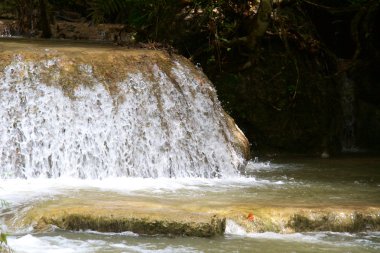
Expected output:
(44, 20)
(260, 23)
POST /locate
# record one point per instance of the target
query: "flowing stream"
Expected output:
(301, 182)
(147, 128)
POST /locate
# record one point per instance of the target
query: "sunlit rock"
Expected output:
(119, 216)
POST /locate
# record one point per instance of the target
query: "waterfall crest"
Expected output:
(95, 118)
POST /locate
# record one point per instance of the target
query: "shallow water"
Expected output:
(266, 242)
(296, 182)
(344, 181)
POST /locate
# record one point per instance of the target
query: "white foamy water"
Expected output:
(60, 244)
(257, 165)
(53, 244)
(233, 229)
(19, 191)
(335, 239)
(152, 128)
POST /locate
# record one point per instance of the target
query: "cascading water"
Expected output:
(165, 123)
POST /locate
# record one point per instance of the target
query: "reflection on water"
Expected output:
(344, 182)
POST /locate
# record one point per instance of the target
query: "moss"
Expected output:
(152, 216)
(290, 220)
(129, 222)
(337, 222)
(109, 65)
(123, 215)
(70, 64)
(6, 59)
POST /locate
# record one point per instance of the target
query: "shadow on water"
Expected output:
(346, 180)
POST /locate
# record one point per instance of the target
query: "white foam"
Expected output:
(56, 244)
(232, 228)
(125, 233)
(18, 191)
(59, 244)
(310, 238)
(146, 248)
(336, 239)
(256, 165)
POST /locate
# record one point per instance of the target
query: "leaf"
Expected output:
(3, 238)
(224, 40)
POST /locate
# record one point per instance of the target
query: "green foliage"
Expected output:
(101, 9)
(4, 248)
(148, 16)
(7, 7)
(3, 236)
(132, 11)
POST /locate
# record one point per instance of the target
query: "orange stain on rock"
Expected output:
(250, 217)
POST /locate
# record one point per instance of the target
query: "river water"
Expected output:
(291, 182)
(89, 123)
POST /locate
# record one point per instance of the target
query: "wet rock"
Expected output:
(171, 218)
(238, 138)
(292, 220)
(103, 220)
(336, 222)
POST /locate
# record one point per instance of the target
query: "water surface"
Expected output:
(298, 182)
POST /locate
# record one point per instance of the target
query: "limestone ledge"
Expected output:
(140, 225)
(147, 217)
(300, 219)
(110, 219)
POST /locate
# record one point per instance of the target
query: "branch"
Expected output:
(260, 23)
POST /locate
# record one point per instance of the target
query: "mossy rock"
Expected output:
(152, 216)
(140, 225)
(145, 218)
(292, 220)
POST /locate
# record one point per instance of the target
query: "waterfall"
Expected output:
(60, 117)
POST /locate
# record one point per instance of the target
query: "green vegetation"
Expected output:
(4, 248)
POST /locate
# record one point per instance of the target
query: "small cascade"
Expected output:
(232, 228)
(165, 123)
(348, 108)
